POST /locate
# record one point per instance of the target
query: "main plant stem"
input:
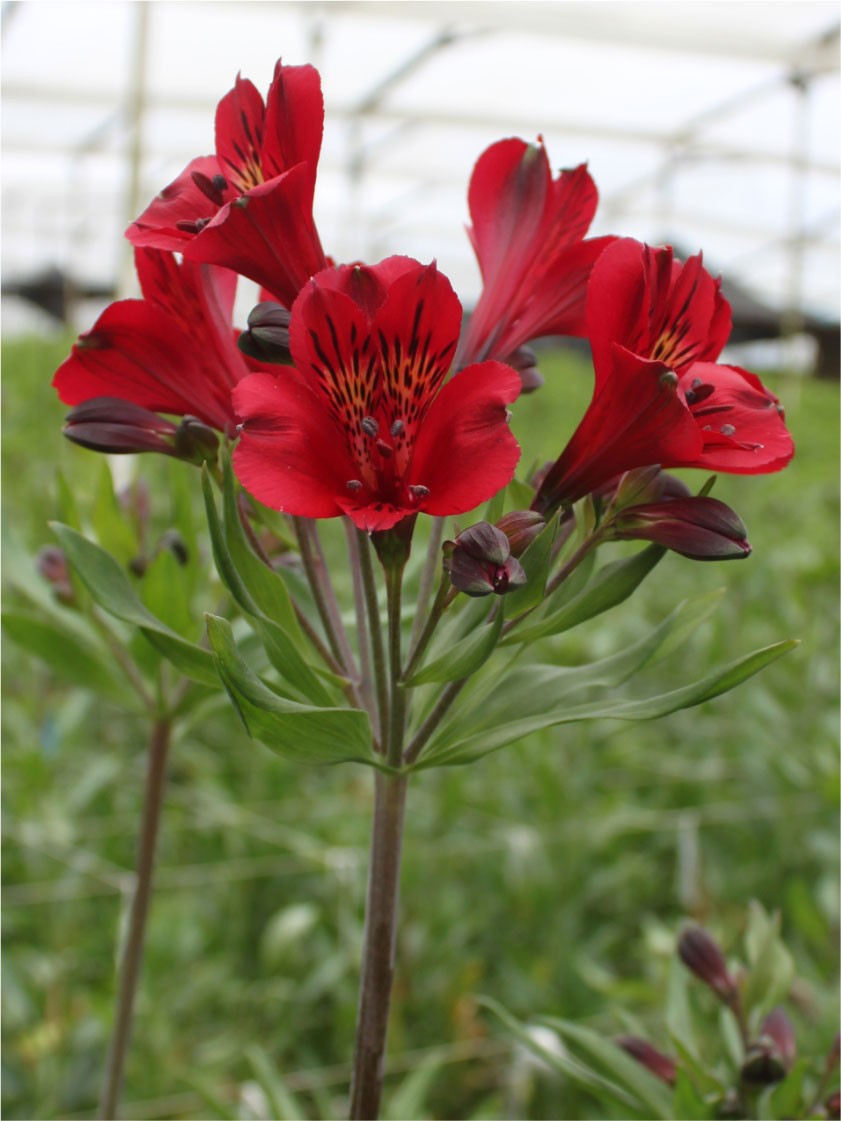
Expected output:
(133, 952)
(378, 952)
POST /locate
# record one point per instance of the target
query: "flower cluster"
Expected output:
(385, 407)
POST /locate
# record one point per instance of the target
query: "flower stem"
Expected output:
(430, 566)
(444, 597)
(379, 945)
(397, 706)
(369, 585)
(324, 595)
(133, 951)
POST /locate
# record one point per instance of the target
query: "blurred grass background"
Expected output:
(551, 876)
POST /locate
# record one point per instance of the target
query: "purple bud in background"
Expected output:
(52, 566)
(521, 527)
(702, 955)
(772, 1056)
(698, 528)
(267, 336)
(660, 1065)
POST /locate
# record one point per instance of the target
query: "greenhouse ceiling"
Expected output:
(709, 125)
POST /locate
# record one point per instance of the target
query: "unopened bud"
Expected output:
(52, 566)
(832, 1106)
(702, 955)
(521, 527)
(524, 361)
(660, 1065)
(698, 528)
(479, 562)
(109, 424)
(267, 336)
(196, 442)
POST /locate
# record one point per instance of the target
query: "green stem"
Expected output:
(325, 598)
(436, 715)
(577, 557)
(430, 567)
(132, 955)
(362, 637)
(397, 710)
(369, 585)
(445, 595)
(379, 946)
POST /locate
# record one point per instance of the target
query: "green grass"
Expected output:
(550, 876)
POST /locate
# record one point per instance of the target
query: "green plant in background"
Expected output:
(742, 1063)
(382, 643)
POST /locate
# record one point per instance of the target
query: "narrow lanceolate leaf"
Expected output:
(612, 1061)
(609, 587)
(266, 587)
(529, 690)
(535, 561)
(79, 660)
(304, 733)
(445, 750)
(111, 590)
(282, 648)
(561, 1061)
(465, 657)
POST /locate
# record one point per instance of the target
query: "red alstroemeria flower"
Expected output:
(656, 327)
(362, 424)
(528, 231)
(249, 207)
(174, 351)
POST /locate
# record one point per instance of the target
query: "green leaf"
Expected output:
(648, 1090)
(559, 1060)
(687, 1103)
(109, 523)
(283, 1105)
(443, 752)
(69, 655)
(530, 690)
(465, 657)
(536, 561)
(609, 587)
(303, 733)
(282, 648)
(265, 586)
(410, 1098)
(110, 588)
(67, 508)
(771, 969)
(165, 591)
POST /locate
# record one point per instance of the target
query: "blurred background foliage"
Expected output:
(551, 877)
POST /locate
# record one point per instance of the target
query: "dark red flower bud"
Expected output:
(108, 424)
(524, 361)
(267, 336)
(195, 442)
(698, 528)
(521, 527)
(832, 1106)
(479, 562)
(52, 566)
(660, 1065)
(834, 1054)
(702, 955)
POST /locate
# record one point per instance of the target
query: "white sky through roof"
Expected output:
(685, 112)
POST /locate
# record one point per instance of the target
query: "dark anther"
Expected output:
(398, 428)
(209, 187)
(219, 182)
(727, 430)
(418, 492)
(668, 379)
(192, 227)
(696, 382)
(370, 426)
(385, 450)
(354, 485)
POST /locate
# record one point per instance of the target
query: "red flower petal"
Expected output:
(636, 418)
(290, 456)
(294, 121)
(166, 222)
(137, 352)
(465, 450)
(239, 135)
(267, 235)
(654, 306)
(740, 422)
(526, 228)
